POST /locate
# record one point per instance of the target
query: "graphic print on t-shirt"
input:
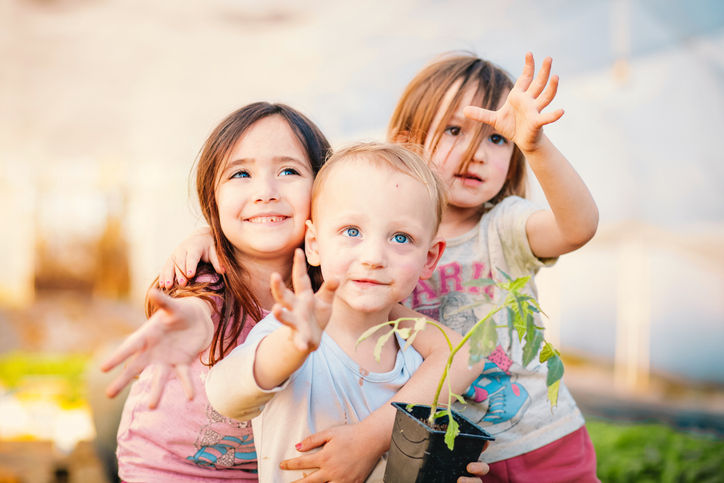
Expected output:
(223, 451)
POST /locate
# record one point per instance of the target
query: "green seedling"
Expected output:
(483, 336)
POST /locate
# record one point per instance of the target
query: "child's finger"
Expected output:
(315, 440)
(159, 381)
(193, 257)
(548, 94)
(282, 295)
(479, 114)
(132, 344)
(165, 277)
(300, 278)
(526, 77)
(549, 117)
(163, 301)
(541, 79)
(125, 377)
(214, 259)
(183, 372)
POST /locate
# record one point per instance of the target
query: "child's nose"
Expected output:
(373, 254)
(266, 191)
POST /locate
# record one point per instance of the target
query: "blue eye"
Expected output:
(497, 139)
(241, 174)
(289, 172)
(453, 130)
(351, 231)
(401, 238)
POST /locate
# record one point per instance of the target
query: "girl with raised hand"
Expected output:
(254, 180)
(478, 129)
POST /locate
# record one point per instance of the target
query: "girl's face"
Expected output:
(486, 173)
(264, 191)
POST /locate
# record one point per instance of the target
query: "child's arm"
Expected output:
(181, 265)
(280, 353)
(351, 451)
(573, 218)
(171, 339)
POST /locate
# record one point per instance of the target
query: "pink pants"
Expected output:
(571, 458)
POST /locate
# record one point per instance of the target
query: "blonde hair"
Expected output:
(393, 156)
(422, 99)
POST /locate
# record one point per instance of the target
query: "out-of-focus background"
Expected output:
(104, 105)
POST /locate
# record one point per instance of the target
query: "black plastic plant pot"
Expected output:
(419, 454)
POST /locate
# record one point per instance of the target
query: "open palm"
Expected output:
(521, 119)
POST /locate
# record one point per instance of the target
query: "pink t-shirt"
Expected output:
(182, 440)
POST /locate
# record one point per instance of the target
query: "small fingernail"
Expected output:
(188, 273)
(298, 446)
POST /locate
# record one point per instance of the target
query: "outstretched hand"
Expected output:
(181, 265)
(170, 339)
(305, 312)
(521, 119)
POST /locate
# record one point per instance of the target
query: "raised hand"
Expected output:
(181, 265)
(305, 312)
(169, 340)
(521, 119)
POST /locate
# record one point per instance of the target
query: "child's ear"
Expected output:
(311, 247)
(433, 257)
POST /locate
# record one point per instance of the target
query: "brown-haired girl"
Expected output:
(254, 183)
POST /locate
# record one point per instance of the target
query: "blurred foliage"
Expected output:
(33, 375)
(654, 453)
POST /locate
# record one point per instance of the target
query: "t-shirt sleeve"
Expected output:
(230, 385)
(507, 224)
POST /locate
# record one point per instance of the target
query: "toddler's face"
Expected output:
(372, 229)
(486, 173)
(264, 191)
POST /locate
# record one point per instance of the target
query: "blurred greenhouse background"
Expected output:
(104, 105)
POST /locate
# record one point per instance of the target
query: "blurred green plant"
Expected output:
(654, 453)
(18, 370)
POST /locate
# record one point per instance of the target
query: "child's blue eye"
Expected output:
(289, 171)
(401, 238)
(351, 231)
(452, 130)
(241, 174)
(497, 139)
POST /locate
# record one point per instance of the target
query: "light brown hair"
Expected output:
(391, 156)
(421, 100)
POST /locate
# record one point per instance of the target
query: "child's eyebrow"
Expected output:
(232, 163)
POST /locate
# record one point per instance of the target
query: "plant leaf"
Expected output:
(553, 393)
(507, 277)
(533, 341)
(381, 342)
(367, 333)
(483, 341)
(547, 352)
(460, 399)
(452, 431)
(555, 370)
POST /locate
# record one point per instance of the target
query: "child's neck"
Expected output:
(457, 221)
(346, 325)
(258, 274)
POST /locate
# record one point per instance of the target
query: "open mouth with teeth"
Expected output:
(267, 219)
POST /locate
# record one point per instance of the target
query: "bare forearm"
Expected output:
(574, 212)
(277, 358)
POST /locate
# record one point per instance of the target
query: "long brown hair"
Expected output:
(413, 116)
(239, 302)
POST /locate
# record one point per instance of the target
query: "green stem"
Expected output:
(448, 364)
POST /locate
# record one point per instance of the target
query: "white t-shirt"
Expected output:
(329, 389)
(508, 400)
